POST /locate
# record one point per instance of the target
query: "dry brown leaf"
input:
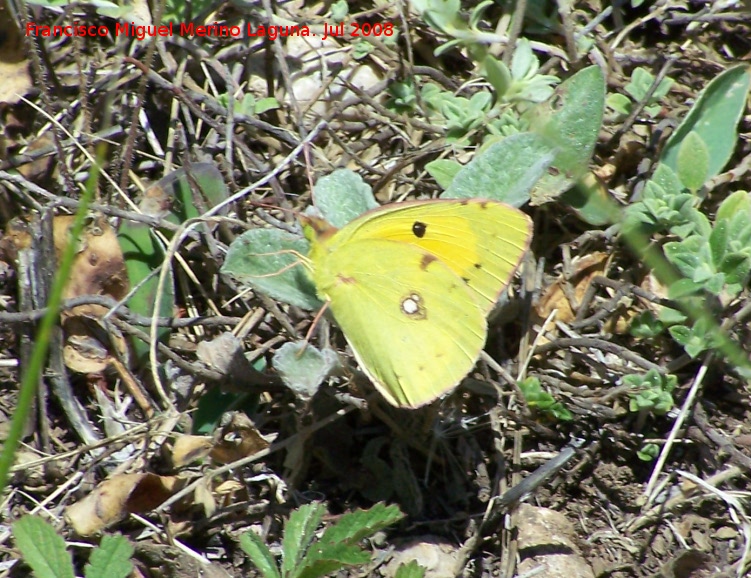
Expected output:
(98, 269)
(238, 439)
(554, 297)
(189, 448)
(117, 497)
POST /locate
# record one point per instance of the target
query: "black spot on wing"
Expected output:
(419, 229)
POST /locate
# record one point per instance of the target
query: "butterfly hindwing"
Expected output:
(410, 320)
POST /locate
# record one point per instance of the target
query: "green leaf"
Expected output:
(269, 261)
(645, 325)
(266, 104)
(718, 242)
(689, 255)
(259, 554)
(648, 452)
(506, 171)
(214, 403)
(497, 74)
(443, 171)
(569, 123)
(343, 196)
(361, 49)
(303, 367)
(737, 203)
(111, 559)
(692, 162)
(339, 10)
(354, 526)
(181, 195)
(324, 559)
(143, 254)
(440, 14)
(299, 532)
(592, 201)
(667, 180)
(42, 548)
(714, 118)
(683, 288)
(410, 570)
(619, 103)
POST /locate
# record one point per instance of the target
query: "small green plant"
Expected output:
(248, 105)
(637, 88)
(304, 556)
(648, 452)
(499, 113)
(444, 16)
(539, 399)
(43, 549)
(521, 83)
(705, 264)
(651, 392)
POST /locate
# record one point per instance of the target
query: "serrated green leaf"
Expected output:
(259, 554)
(269, 261)
(505, 172)
(354, 526)
(42, 548)
(303, 367)
(714, 117)
(111, 559)
(692, 162)
(343, 196)
(323, 559)
(299, 532)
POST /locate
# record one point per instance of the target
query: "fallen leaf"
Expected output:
(118, 496)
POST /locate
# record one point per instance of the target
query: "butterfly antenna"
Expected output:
(308, 167)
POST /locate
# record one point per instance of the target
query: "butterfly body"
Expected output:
(410, 286)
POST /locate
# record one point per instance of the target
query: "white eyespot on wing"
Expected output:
(413, 306)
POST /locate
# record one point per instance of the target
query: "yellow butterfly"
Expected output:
(411, 284)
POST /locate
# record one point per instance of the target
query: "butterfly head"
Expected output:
(316, 229)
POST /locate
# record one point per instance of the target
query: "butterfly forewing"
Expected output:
(483, 242)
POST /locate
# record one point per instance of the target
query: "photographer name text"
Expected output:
(353, 29)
